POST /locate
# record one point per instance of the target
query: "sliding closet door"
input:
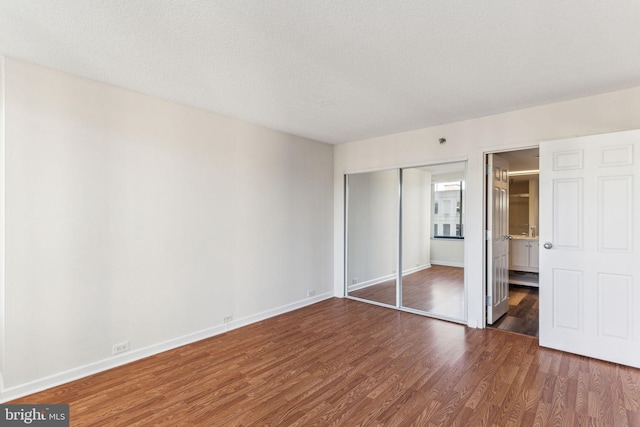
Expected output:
(416, 238)
(433, 240)
(372, 236)
(405, 239)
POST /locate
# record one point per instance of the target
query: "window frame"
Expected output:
(458, 211)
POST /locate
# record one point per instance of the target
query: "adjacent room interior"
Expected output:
(523, 213)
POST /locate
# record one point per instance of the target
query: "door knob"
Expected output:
(548, 245)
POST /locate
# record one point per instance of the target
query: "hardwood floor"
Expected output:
(437, 290)
(522, 316)
(343, 362)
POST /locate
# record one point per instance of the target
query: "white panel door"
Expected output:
(498, 243)
(590, 246)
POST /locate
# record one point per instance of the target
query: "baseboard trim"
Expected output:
(448, 263)
(54, 380)
(276, 311)
(371, 282)
(416, 269)
(383, 279)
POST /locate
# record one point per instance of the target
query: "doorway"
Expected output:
(589, 211)
(520, 218)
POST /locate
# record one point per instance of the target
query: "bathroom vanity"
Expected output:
(523, 254)
(523, 261)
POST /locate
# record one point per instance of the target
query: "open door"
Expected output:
(498, 237)
(590, 246)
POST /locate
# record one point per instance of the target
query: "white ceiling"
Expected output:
(337, 70)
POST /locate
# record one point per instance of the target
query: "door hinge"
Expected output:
(488, 300)
(487, 169)
(487, 235)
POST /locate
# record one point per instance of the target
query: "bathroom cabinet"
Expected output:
(523, 255)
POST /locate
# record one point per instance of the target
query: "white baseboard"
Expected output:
(448, 263)
(371, 282)
(383, 279)
(276, 311)
(15, 392)
(415, 269)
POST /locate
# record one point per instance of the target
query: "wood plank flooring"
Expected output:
(437, 290)
(343, 362)
(523, 314)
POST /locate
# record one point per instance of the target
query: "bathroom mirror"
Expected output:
(523, 205)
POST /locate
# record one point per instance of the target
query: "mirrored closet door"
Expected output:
(372, 236)
(409, 220)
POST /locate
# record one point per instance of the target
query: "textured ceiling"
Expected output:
(337, 71)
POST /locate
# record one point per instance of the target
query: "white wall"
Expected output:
(469, 140)
(416, 219)
(129, 218)
(447, 252)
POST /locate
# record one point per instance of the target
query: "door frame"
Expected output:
(485, 216)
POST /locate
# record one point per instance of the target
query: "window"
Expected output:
(448, 209)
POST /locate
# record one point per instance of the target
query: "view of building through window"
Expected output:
(448, 211)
